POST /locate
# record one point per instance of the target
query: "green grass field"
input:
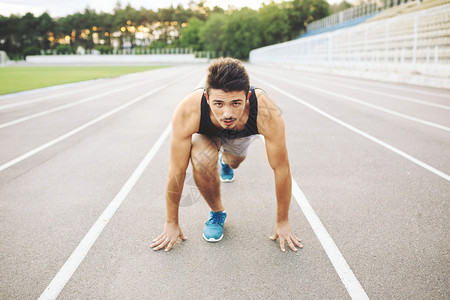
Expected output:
(17, 79)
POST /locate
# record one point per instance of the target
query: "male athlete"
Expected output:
(218, 124)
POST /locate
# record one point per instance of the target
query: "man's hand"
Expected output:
(284, 232)
(169, 236)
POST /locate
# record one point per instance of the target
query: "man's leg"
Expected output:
(235, 150)
(232, 160)
(204, 154)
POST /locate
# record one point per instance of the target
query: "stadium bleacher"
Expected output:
(406, 8)
(337, 26)
(404, 41)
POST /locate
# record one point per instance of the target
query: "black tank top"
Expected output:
(208, 128)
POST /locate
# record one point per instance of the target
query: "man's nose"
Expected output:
(227, 113)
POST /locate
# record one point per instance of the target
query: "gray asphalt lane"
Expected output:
(440, 95)
(53, 199)
(28, 135)
(387, 215)
(422, 141)
(373, 202)
(245, 264)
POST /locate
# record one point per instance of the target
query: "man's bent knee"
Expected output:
(204, 152)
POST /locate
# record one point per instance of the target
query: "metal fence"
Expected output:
(370, 9)
(344, 16)
(418, 42)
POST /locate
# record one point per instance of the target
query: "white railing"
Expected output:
(365, 9)
(344, 16)
(417, 42)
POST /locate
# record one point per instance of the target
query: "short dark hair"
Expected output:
(227, 74)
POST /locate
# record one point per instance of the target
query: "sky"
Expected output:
(60, 8)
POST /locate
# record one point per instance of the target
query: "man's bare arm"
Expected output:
(272, 127)
(184, 124)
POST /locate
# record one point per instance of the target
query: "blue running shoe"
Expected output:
(226, 172)
(213, 231)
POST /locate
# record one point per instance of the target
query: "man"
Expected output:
(217, 125)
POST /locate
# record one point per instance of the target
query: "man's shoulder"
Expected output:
(188, 111)
(191, 100)
(191, 103)
(270, 120)
(259, 92)
(264, 100)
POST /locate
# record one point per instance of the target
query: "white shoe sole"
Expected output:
(226, 180)
(212, 240)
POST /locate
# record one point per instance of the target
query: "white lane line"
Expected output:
(365, 103)
(30, 101)
(48, 89)
(83, 85)
(379, 84)
(68, 269)
(351, 283)
(338, 261)
(402, 98)
(62, 107)
(112, 81)
(360, 132)
(71, 265)
(86, 125)
(411, 89)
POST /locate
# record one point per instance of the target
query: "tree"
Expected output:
(166, 14)
(337, 7)
(9, 38)
(275, 26)
(190, 35)
(242, 33)
(302, 12)
(211, 35)
(26, 31)
(45, 25)
(232, 32)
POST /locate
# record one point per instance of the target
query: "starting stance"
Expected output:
(214, 127)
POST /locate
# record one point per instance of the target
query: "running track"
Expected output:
(83, 170)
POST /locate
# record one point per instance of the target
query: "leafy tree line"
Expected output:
(232, 32)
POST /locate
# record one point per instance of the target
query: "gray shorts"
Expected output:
(238, 146)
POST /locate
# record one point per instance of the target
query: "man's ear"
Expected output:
(249, 94)
(206, 96)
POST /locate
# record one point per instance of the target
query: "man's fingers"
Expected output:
(282, 244)
(161, 245)
(183, 237)
(169, 246)
(296, 238)
(292, 245)
(158, 241)
(274, 237)
(297, 241)
(159, 237)
(154, 244)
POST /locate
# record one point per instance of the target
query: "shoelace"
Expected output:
(216, 219)
(225, 168)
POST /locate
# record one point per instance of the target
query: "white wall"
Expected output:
(114, 59)
(3, 58)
